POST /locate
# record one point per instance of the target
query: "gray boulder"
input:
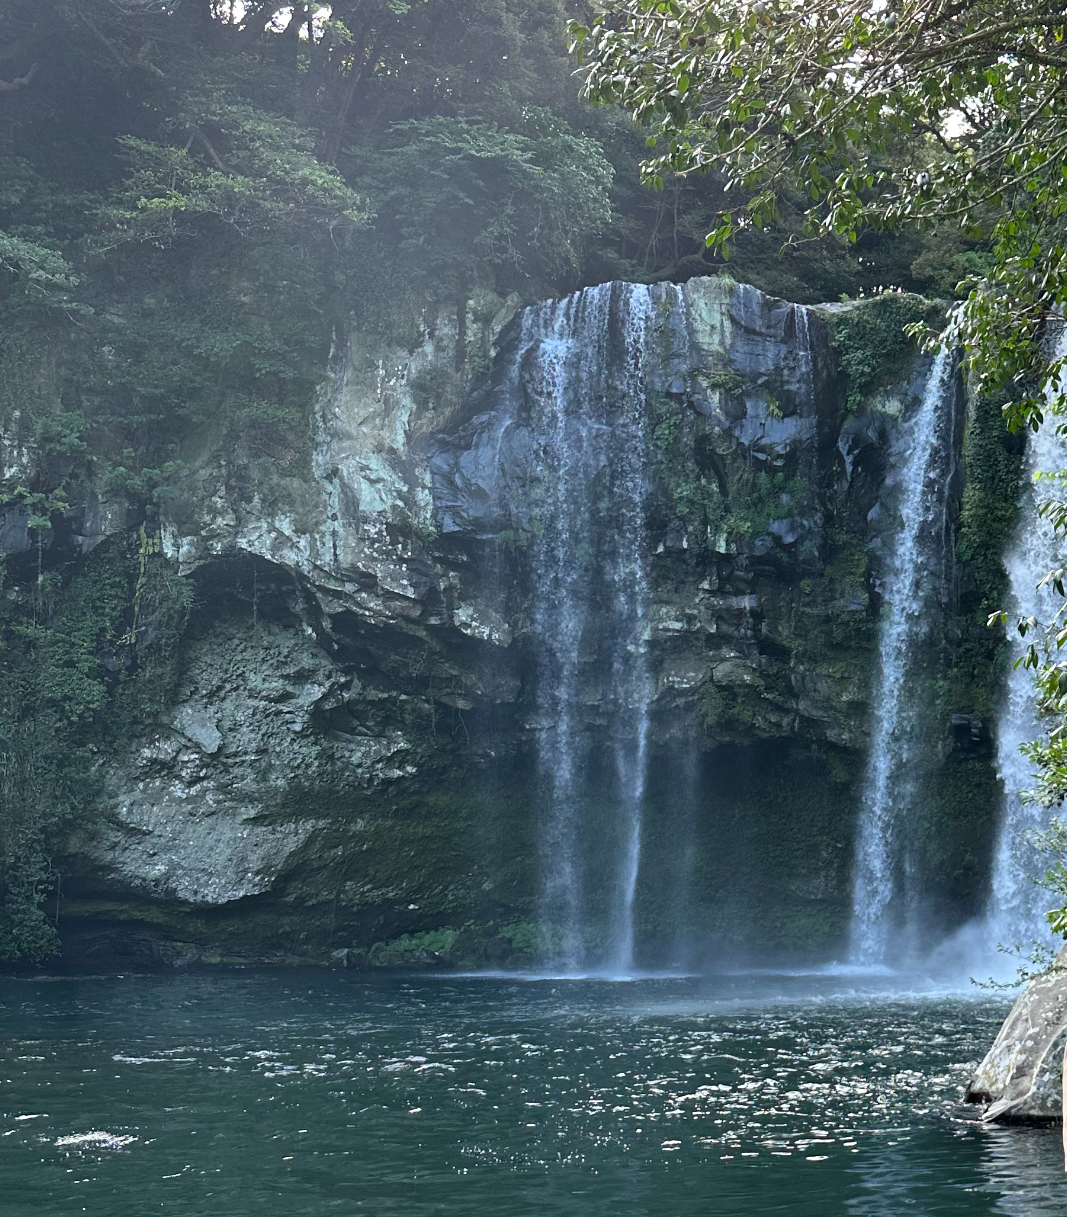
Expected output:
(1021, 1078)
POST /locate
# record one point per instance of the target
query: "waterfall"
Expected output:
(583, 361)
(1017, 906)
(914, 581)
(806, 366)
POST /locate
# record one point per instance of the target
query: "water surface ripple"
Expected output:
(299, 1093)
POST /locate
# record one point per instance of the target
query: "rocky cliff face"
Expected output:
(765, 509)
(345, 769)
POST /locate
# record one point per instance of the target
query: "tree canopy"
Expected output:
(886, 115)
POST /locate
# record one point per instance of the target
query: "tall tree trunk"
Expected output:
(361, 57)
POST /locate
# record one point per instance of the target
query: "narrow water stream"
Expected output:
(302, 1093)
(1017, 908)
(914, 593)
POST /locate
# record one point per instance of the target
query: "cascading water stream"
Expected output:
(915, 575)
(631, 681)
(584, 369)
(1017, 906)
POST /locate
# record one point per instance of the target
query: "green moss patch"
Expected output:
(871, 344)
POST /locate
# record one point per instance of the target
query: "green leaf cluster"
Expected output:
(460, 196)
(943, 116)
(269, 187)
(871, 341)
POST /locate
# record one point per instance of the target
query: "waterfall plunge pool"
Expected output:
(301, 1093)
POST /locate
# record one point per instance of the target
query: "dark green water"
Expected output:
(301, 1093)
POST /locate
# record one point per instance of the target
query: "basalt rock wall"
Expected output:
(344, 769)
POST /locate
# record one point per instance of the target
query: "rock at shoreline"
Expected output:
(1021, 1078)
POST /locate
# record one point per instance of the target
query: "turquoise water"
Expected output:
(278, 1094)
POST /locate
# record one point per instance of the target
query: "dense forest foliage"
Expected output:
(206, 191)
(197, 199)
(888, 117)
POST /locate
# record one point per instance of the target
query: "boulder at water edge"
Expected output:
(1021, 1078)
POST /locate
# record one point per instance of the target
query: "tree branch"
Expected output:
(217, 160)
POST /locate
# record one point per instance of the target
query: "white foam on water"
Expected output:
(95, 1139)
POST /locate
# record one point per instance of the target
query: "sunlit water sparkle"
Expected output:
(304, 1093)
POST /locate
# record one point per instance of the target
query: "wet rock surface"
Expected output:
(749, 587)
(348, 757)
